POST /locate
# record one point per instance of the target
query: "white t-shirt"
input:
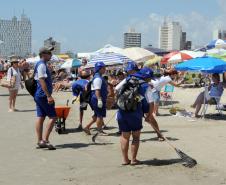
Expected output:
(158, 84)
(96, 85)
(12, 72)
(148, 95)
(41, 72)
(120, 85)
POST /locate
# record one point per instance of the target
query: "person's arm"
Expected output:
(45, 89)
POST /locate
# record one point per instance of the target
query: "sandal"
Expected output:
(136, 162)
(45, 144)
(127, 163)
(87, 131)
(161, 139)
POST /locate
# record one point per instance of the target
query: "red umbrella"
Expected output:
(168, 56)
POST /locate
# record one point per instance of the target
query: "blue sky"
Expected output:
(87, 25)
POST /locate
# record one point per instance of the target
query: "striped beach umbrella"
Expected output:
(108, 59)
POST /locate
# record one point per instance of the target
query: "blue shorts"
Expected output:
(156, 96)
(100, 113)
(44, 109)
(128, 122)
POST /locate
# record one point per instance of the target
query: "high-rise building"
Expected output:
(170, 35)
(219, 34)
(52, 43)
(15, 36)
(132, 39)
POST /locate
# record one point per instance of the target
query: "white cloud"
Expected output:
(199, 28)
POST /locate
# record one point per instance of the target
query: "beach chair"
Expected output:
(213, 100)
(168, 94)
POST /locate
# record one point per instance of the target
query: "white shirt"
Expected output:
(158, 84)
(12, 72)
(148, 95)
(120, 85)
(96, 85)
(41, 72)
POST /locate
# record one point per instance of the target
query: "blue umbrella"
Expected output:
(203, 64)
(216, 43)
(76, 63)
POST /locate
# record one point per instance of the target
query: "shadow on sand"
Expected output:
(159, 162)
(17, 95)
(156, 139)
(217, 117)
(79, 145)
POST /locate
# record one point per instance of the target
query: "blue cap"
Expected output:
(131, 66)
(98, 66)
(144, 73)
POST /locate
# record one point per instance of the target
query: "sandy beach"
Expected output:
(77, 161)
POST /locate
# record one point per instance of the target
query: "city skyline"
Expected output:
(85, 26)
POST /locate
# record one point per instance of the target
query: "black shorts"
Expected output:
(83, 106)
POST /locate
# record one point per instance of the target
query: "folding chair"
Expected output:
(216, 101)
(168, 94)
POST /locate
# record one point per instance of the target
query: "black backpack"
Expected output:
(129, 96)
(31, 84)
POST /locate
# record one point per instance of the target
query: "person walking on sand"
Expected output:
(78, 88)
(98, 100)
(130, 121)
(14, 83)
(45, 104)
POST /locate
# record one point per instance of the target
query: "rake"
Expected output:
(95, 135)
(188, 161)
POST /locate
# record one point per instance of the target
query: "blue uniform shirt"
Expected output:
(79, 86)
(39, 92)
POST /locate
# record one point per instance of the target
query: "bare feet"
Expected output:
(10, 110)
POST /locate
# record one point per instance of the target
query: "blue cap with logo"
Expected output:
(131, 65)
(144, 73)
(98, 66)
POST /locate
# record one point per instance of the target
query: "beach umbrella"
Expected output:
(168, 56)
(185, 55)
(203, 64)
(152, 61)
(137, 54)
(108, 59)
(76, 63)
(71, 63)
(219, 43)
(109, 49)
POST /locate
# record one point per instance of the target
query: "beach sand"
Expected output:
(77, 161)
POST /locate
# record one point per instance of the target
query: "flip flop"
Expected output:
(87, 131)
(136, 163)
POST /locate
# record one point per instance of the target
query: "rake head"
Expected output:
(188, 161)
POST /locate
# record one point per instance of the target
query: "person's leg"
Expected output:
(49, 128)
(152, 121)
(14, 99)
(81, 117)
(39, 128)
(10, 101)
(124, 140)
(135, 146)
(198, 100)
(87, 128)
